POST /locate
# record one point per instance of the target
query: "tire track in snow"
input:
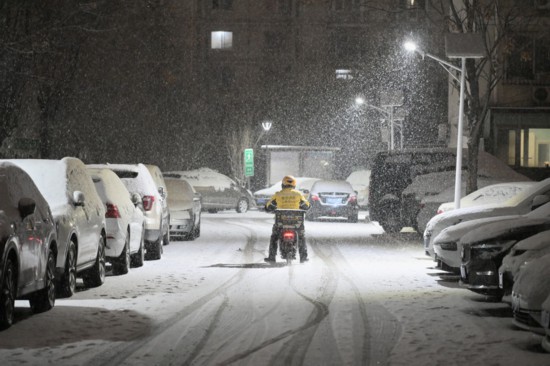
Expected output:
(381, 329)
(117, 355)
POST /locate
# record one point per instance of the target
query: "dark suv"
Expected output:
(392, 172)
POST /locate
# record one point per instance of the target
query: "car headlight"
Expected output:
(448, 246)
(494, 246)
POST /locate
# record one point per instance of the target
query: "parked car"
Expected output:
(161, 186)
(303, 184)
(496, 233)
(218, 191)
(360, 180)
(392, 172)
(124, 221)
(484, 247)
(79, 216)
(334, 198)
(137, 178)
(522, 253)
(28, 245)
(522, 203)
(490, 192)
(530, 291)
(185, 209)
(486, 195)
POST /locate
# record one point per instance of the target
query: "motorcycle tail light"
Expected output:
(288, 235)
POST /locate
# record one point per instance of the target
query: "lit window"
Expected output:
(344, 74)
(222, 40)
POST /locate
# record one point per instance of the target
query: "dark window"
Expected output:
(527, 58)
(222, 4)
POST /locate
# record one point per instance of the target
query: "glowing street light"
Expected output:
(458, 45)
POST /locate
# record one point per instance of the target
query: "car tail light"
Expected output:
(288, 235)
(314, 197)
(112, 211)
(352, 199)
(148, 202)
(439, 212)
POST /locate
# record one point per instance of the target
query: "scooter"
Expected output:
(288, 223)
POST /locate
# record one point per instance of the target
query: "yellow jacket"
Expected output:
(288, 199)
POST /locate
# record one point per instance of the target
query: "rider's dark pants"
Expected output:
(302, 248)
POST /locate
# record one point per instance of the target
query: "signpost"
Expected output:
(248, 162)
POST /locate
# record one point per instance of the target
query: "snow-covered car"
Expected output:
(360, 180)
(332, 198)
(80, 218)
(490, 194)
(484, 247)
(124, 221)
(161, 186)
(522, 203)
(218, 191)
(530, 291)
(522, 253)
(138, 179)
(28, 243)
(303, 184)
(185, 209)
(496, 230)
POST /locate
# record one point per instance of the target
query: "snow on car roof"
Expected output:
(15, 183)
(108, 185)
(140, 181)
(301, 183)
(204, 177)
(50, 176)
(332, 186)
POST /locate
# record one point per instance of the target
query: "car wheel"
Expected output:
(44, 299)
(7, 295)
(67, 283)
(139, 257)
(166, 239)
(212, 210)
(353, 218)
(95, 276)
(242, 205)
(154, 252)
(391, 224)
(122, 263)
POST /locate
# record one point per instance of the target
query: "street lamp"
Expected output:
(463, 46)
(393, 121)
(266, 126)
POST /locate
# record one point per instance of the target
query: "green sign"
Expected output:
(248, 162)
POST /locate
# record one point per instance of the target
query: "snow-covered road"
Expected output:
(365, 298)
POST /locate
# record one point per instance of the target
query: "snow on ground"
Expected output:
(365, 298)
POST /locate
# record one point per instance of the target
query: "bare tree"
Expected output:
(497, 21)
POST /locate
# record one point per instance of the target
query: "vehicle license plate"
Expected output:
(333, 201)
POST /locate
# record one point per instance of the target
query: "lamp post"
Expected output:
(389, 114)
(460, 45)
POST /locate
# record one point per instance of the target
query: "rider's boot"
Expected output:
(272, 249)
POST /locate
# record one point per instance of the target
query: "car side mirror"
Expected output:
(539, 201)
(136, 198)
(162, 192)
(26, 207)
(78, 198)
